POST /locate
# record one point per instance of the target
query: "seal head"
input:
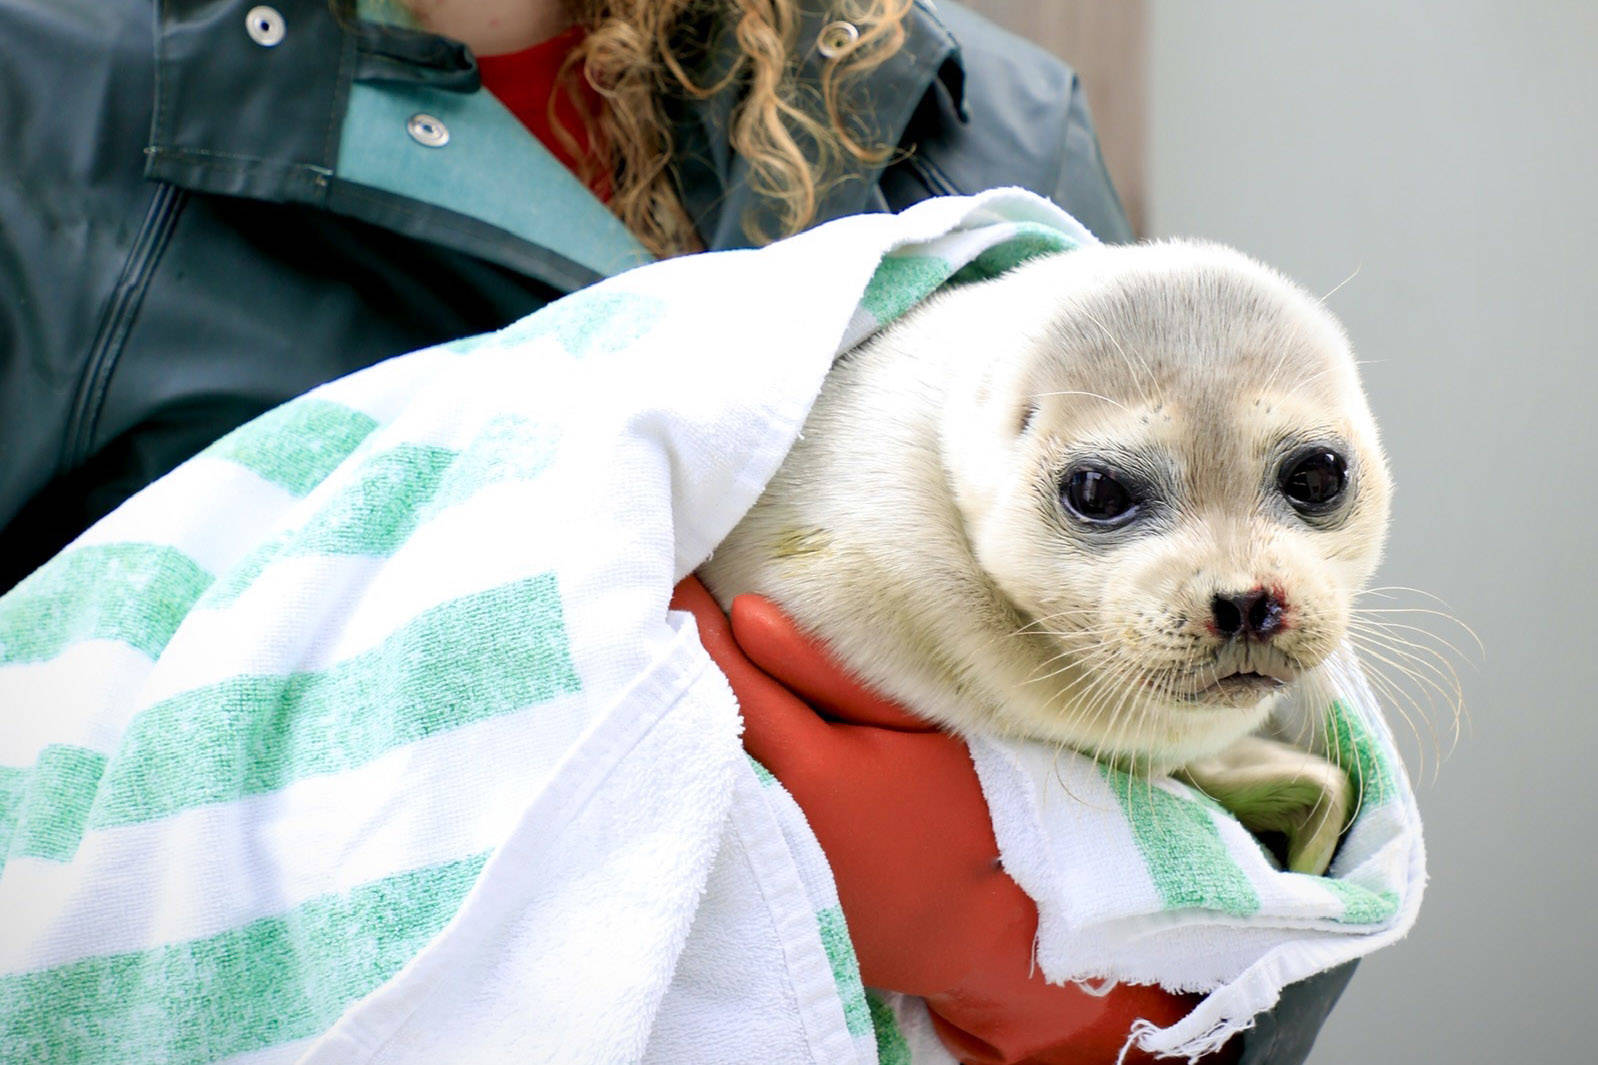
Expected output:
(1119, 498)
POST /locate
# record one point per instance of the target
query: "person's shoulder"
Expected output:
(1009, 113)
(986, 47)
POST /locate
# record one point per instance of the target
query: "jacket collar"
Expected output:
(234, 116)
(239, 116)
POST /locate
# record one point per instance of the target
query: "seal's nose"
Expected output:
(1256, 614)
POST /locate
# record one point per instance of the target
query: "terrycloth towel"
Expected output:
(1151, 882)
(366, 735)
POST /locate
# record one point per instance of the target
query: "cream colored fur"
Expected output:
(917, 526)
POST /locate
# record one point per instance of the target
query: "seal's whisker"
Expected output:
(1162, 695)
(1044, 678)
(1421, 659)
(1423, 656)
(1107, 748)
(1063, 693)
(1378, 675)
(1068, 634)
(1288, 345)
(1339, 286)
(1134, 681)
(1104, 634)
(1064, 653)
(1429, 686)
(1323, 797)
(1418, 655)
(1087, 697)
(1095, 699)
(1392, 627)
(1397, 696)
(1328, 694)
(1091, 395)
(1154, 381)
(996, 638)
(1444, 609)
(1093, 713)
(1385, 590)
(1096, 633)
(1151, 723)
(1035, 626)
(1427, 611)
(1318, 693)
(1301, 382)
(1060, 750)
(1041, 619)
(1417, 669)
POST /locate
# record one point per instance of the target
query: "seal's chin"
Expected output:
(1165, 730)
(1162, 720)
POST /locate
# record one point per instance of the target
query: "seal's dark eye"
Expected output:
(1313, 481)
(1096, 496)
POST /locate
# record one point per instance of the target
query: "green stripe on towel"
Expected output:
(372, 515)
(901, 282)
(270, 982)
(845, 970)
(1358, 750)
(586, 324)
(892, 1048)
(43, 810)
(762, 774)
(1028, 241)
(135, 593)
(380, 507)
(243, 573)
(393, 492)
(1361, 905)
(509, 448)
(297, 445)
(474, 658)
(1182, 848)
(13, 786)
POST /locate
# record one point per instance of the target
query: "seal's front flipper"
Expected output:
(1272, 787)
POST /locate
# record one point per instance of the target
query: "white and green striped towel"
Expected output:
(1151, 882)
(366, 735)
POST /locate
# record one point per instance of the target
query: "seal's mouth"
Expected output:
(1235, 687)
(1245, 677)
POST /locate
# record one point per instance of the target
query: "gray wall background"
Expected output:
(1448, 150)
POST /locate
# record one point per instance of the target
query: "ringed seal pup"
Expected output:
(1118, 499)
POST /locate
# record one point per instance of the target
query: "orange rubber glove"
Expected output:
(898, 810)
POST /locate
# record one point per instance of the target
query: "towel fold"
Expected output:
(1150, 882)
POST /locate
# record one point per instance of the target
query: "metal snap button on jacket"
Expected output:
(264, 25)
(427, 130)
(837, 38)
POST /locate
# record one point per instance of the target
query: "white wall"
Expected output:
(1448, 150)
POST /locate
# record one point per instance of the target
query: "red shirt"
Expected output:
(525, 82)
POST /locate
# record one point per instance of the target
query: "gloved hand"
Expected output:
(898, 810)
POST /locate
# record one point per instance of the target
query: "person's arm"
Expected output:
(898, 810)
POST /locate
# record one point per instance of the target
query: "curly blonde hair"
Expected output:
(640, 57)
